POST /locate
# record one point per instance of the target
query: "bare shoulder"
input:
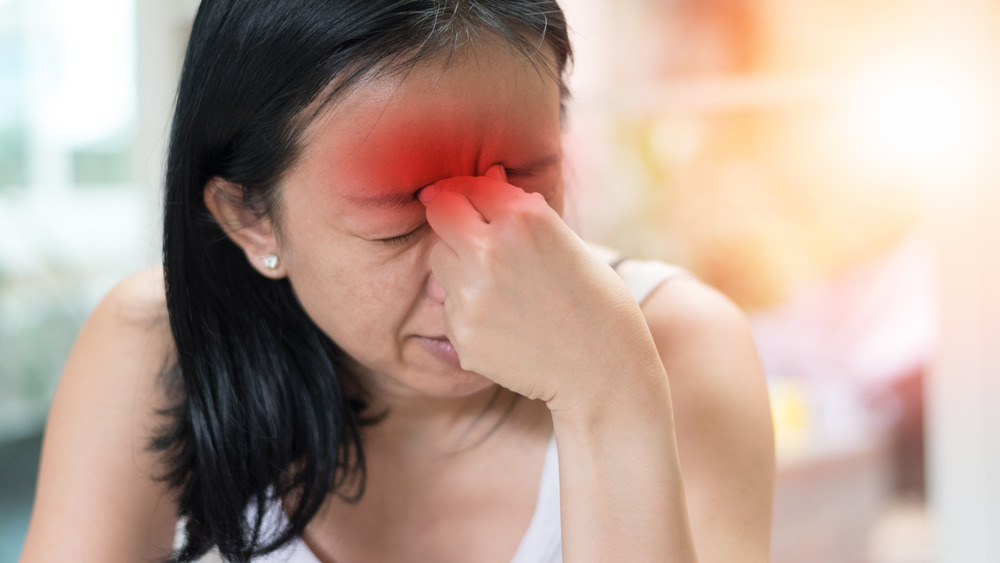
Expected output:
(722, 416)
(98, 497)
(706, 346)
(703, 338)
(139, 300)
(684, 311)
(125, 344)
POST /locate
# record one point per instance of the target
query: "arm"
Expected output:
(96, 498)
(648, 471)
(639, 398)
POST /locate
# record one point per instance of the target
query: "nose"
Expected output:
(434, 289)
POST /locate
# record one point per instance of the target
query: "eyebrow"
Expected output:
(399, 200)
(392, 200)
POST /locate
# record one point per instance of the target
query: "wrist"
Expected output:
(620, 476)
(636, 404)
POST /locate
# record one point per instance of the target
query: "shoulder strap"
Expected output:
(644, 276)
(641, 276)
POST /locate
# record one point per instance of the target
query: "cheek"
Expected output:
(361, 307)
(556, 199)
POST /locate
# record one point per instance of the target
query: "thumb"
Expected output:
(497, 172)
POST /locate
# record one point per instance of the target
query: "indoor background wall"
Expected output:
(827, 164)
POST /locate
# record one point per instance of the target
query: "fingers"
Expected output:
(490, 194)
(445, 271)
(497, 172)
(453, 217)
(459, 209)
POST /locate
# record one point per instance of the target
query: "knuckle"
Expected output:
(528, 212)
(461, 337)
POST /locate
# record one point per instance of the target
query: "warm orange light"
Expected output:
(919, 115)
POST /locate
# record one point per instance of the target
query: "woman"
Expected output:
(373, 337)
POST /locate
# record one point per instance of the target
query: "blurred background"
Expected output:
(828, 164)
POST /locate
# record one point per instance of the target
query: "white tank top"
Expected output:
(542, 542)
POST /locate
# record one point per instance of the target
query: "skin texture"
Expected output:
(392, 137)
(653, 466)
(96, 499)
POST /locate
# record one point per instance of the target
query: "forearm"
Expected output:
(622, 494)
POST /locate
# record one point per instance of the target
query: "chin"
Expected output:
(450, 383)
(432, 381)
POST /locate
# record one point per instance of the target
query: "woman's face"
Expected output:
(354, 241)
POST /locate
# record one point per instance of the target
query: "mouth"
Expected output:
(440, 348)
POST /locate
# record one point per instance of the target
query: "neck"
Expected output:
(443, 425)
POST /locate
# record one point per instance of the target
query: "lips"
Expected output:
(440, 347)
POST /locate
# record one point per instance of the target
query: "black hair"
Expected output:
(264, 408)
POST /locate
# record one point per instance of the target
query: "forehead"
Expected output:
(439, 118)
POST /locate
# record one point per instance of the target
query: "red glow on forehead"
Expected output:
(392, 164)
(377, 147)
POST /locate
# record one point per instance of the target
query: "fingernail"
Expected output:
(427, 194)
(497, 172)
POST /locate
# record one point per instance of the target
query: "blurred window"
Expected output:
(72, 216)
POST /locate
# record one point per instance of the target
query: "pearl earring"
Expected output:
(271, 262)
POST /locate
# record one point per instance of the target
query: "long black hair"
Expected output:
(265, 410)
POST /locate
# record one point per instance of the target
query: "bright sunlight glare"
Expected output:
(918, 115)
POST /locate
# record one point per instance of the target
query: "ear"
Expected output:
(251, 232)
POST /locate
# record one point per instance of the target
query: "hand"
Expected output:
(527, 303)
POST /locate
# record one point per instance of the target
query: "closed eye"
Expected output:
(522, 173)
(401, 239)
(537, 167)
